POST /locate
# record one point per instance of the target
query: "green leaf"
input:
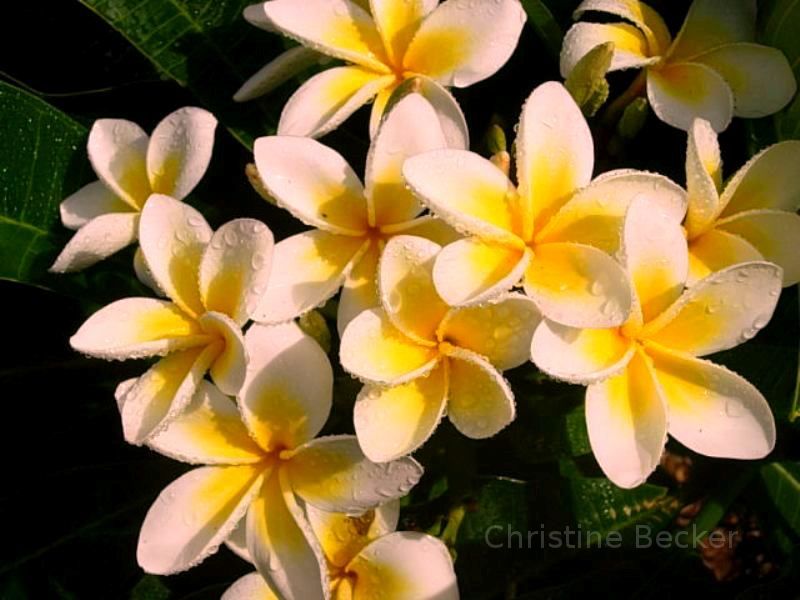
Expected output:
(150, 587)
(205, 45)
(43, 158)
(587, 80)
(779, 19)
(544, 24)
(602, 508)
(40, 153)
(782, 481)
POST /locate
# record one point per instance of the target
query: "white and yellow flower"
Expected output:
(367, 559)
(351, 223)
(548, 231)
(645, 378)
(214, 281)
(711, 70)
(384, 42)
(753, 217)
(262, 465)
(420, 358)
(131, 166)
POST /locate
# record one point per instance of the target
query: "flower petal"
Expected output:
(137, 328)
(397, 23)
(394, 421)
(209, 431)
(98, 239)
(193, 515)
(721, 311)
(712, 23)
(638, 13)
(328, 98)
(143, 273)
(411, 128)
(162, 393)
(712, 410)
(173, 236)
(465, 41)
(374, 350)
(682, 92)
(774, 233)
(578, 285)
(470, 271)
(90, 201)
(360, 289)
(277, 72)
(580, 355)
(626, 418)
(656, 256)
(118, 153)
(180, 151)
(479, 400)
(249, 587)
(307, 269)
(339, 28)
(282, 543)
(768, 180)
(703, 177)
(331, 473)
(555, 153)
(760, 77)
(716, 250)
(451, 117)
(631, 48)
(405, 284)
(465, 190)
(229, 367)
(500, 330)
(313, 182)
(235, 268)
(287, 396)
(595, 214)
(406, 565)
(427, 226)
(342, 537)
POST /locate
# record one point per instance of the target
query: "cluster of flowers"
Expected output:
(449, 275)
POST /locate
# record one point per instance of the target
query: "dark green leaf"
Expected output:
(780, 19)
(544, 24)
(43, 158)
(782, 481)
(205, 45)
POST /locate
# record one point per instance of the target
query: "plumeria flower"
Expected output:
(545, 232)
(420, 358)
(646, 378)
(262, 464)
(213, 281)
(367, 559)
(384, 42)
(351, 223)
(753, 217)
(131, 166)
(711, 70)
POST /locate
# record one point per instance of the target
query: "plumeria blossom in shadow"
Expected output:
(384, 43)
(263, 465)
(711, 70)
(752, 217)
(421, 358)
(553, 231)
(367, 559)
(213, 281)
(646, 378)
(352, 223)
(131, 166)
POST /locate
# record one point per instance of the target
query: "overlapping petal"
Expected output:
(98, 239)
(92, 200)
(118, 153)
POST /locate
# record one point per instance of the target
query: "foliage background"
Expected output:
(74, 494)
